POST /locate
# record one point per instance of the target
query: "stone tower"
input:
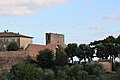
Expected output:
(55, 38)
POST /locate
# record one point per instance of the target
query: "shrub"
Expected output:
(77, 73)
(82, 75)
(99, 71)
(4, 75)
(89, 68)
(13, 46)
(118, 71)
(116, 66)
(49, 74)
(26, 72)
(62, 75)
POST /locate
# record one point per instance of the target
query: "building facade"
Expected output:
(7, 37)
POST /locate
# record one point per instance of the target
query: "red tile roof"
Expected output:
(11, 34)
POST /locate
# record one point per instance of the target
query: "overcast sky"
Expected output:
(81, 21)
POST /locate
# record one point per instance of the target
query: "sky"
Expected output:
(81, 21)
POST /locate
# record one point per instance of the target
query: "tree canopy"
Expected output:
(61, 57)
(46, 58)
(71, 50)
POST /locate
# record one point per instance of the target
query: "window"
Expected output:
(1, 40)
(6, 40)
(13, 40)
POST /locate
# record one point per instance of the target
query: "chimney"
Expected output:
(5, 31)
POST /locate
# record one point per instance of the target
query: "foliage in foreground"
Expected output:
(26, 72)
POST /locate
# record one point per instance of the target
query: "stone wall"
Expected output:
(24, 42)
(55, 38)
(107, 66)
(7, 59)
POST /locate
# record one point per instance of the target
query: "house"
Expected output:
(7, 37)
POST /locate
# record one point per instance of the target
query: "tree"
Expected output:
(46, 59)
(26, 72)
(107, 47)
(71, 50)
(85, 51)
(101, 51)
(61, 57)
(118, 40)
(13, 46)
(109, 39)
(80, 54)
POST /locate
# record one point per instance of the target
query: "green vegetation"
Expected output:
(26, 72)
(112, 76)
(45, 59)
(13, 46)
(49, 66)
(61, 57)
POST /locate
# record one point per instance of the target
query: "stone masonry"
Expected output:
(7, 59)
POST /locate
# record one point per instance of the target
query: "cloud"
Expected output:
(112, 17)
(25, 7)
(95, 27)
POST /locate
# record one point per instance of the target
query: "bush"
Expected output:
(82, 75)
(49, 74)
(89, 68)
(4, 75)
(62, 75)
(95, 69)
(116, 66)
(99, 71)
(13, 46)
(118, 71)
(77, 73)
(26, 72)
